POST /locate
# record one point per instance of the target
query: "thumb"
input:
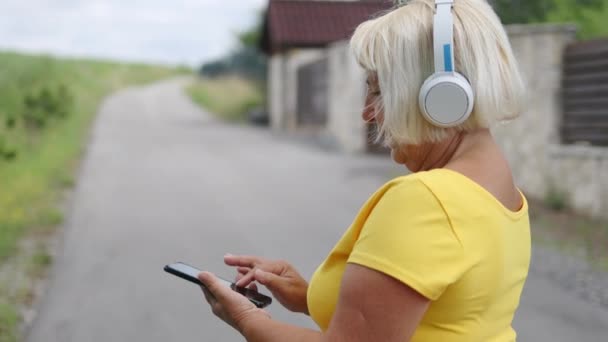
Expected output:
(211, 284)
(267, 279)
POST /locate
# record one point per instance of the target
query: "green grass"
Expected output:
(45, 160)
(8, 320)
(31, 183)
(227, 97)
(51, 217)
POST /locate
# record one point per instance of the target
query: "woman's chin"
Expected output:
(398, 157)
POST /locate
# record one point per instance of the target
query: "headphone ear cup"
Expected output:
(446, 99)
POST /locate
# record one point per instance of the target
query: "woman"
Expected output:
(443, 253)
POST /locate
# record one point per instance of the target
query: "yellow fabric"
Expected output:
(447, 238)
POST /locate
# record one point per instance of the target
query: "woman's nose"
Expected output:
(368, 115)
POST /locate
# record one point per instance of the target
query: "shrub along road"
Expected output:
(163, 181)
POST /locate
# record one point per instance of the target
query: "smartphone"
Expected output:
(190, 273)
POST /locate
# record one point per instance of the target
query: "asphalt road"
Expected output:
(162, 181)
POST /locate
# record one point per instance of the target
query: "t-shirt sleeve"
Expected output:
(408, 236)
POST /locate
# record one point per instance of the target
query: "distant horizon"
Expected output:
(184, 32)
(92, 58)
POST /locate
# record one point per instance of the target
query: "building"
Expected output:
(308, 90)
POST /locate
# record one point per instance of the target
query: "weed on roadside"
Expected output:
(570, 233)
(228, 97)
(8, 323)
(39, 262)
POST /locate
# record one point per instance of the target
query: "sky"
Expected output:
(174, 32)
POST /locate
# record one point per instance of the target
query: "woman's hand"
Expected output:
(285, 283)
(230, 306)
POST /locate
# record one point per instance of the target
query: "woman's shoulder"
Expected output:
(456, 191)
(424, 181)
(423, 177)
(412, 189)
(447, 189)
(445, 185)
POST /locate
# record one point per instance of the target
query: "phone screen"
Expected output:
(191, 274)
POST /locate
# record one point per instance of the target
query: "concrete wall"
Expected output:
(293, 60)
(346, 81)
(346, 99)
(283, 85)
(276, 92)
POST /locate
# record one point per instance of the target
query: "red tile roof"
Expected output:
(306, 23)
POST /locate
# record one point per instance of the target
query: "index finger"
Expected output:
(241, 272)
(242, 260)
(246, 279)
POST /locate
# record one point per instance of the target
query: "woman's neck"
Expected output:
(459, 145)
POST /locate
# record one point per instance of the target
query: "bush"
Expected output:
(46, 104)
(11, 121)
(556, 200)
(245, 62)
(251, 104)
(215, 69)
(7, 152)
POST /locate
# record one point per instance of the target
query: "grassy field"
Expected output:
(228, 97)
(41, 160)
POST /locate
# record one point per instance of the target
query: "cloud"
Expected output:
(160, 31)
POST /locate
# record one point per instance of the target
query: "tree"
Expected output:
(590, 16)
(246, 60)
(534, 11)
(521, 11)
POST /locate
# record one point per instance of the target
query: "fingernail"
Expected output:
(228, 255)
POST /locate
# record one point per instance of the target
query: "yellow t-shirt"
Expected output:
(447, 238)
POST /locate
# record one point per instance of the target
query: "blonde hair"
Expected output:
(398, 48)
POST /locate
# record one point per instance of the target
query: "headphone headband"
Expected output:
(446, 98)
(443, 36)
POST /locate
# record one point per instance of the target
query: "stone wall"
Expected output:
(539, 51)
(581, 172)
(541, 164)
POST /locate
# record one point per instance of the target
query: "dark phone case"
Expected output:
(258, 299)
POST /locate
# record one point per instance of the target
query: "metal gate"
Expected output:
(585, 93)
(312, 101)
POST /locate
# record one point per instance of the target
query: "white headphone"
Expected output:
(446, 98)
